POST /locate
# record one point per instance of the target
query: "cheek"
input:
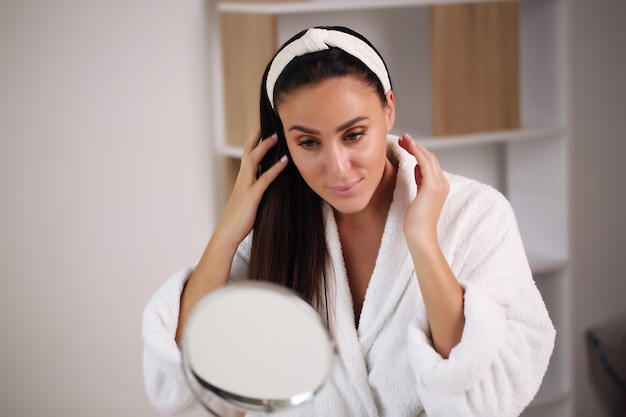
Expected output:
(308, 168)
(375, 155)
(305, 165)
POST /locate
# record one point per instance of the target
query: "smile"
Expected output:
(346, 190)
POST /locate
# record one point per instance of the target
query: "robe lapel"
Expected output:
(392, 274)
(394, 268)
(343, 325)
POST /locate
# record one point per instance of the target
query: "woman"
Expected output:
(421, 274)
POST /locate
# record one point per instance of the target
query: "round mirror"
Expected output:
(256, 346)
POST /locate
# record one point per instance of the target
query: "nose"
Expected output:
(337, 159)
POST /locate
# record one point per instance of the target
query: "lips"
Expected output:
(346, 190)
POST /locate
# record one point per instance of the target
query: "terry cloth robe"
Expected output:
(388, 366)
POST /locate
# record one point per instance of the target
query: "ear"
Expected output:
(390, 110)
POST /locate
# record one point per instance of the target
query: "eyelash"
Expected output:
(352, 137)
(308, 144)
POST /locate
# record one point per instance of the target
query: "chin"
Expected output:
(344, 206)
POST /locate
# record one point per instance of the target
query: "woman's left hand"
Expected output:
(422, 216)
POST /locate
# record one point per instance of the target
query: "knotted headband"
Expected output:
(317, 39)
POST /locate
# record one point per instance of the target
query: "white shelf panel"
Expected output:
(313, 6)
(457, 141)
(231, 151)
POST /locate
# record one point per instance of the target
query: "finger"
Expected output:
(428, 169)
(418, 151)
(407, 143)
(263, 147)
(413, 147)
(250, 160)
(252, 156)
(270, 174)
(253, 139)
(418, 175)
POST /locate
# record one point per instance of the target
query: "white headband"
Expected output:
(315, 40)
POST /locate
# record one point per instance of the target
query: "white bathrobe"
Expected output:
(388, 366)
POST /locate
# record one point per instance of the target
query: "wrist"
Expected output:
(223, 240)
(422, 240)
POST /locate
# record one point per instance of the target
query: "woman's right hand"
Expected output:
(235, 224)
(240, 211)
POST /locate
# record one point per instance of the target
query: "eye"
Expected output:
(354, 136)
(308, 143)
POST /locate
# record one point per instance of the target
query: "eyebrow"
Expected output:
(339, 129)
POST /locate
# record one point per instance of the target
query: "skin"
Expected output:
(339, 146)
(336, 134)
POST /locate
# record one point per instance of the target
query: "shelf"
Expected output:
(487, 138)
(458, 141)
(312, 6)
(527, 164)
(231, 151)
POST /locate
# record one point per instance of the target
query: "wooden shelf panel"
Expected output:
(474, 58)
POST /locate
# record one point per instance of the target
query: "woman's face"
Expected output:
(336, 132)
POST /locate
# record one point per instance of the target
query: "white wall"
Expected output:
(598, 181)
(105, 181)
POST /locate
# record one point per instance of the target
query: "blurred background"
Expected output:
(107, 178)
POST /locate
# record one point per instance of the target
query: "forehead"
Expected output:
(336, 94)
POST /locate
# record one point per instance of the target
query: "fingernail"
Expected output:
(274, 135)
(283, 159)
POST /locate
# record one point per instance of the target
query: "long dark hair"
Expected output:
(289, 243)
